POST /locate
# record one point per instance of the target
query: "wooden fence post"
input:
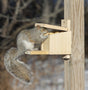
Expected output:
(74, 68)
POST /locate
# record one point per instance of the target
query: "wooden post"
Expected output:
(74, 68)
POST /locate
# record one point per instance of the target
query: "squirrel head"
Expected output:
(43, 32)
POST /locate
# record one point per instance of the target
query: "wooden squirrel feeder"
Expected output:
(58, 43)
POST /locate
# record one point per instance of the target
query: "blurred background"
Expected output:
(16, 15)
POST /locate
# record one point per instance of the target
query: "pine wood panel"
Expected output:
(74, 10)
(61, 28)
(37, 52)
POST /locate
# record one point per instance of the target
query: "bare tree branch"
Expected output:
(56, 12)
(46, 11)
(4, 28)
(3, 16)
(25, 4)
(14, 17)
(47, 14)
(4, 5)
(57, 5)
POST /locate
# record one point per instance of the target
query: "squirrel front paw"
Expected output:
(27, 52)
(35, 49)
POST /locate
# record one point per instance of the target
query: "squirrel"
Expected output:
(26, 40)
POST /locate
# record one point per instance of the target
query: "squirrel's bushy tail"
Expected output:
(17, 68)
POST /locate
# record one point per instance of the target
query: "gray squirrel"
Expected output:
(26, 40)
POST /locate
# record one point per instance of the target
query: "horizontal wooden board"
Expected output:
(60, 28)
(37, 52)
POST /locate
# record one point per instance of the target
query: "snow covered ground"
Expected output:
(86, 74)
(49, 75)
(86, 79)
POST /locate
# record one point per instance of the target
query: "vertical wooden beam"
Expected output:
(67, 74)
(74, 11)
(66, 23)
